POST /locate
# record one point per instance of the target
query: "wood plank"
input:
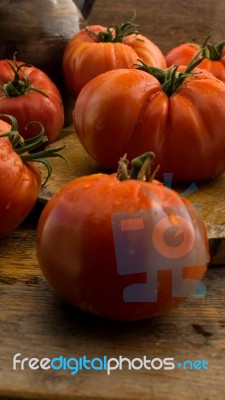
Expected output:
(35, 322)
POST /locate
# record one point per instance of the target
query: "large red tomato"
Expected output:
(97, 49)
(28, 94)
(20, 180)
(181, 119)
(214, 61)
(125, 250)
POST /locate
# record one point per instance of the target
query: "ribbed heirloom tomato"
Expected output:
(214, 62)
(20, 179)
(178, 113)
(28, 94)
(97, 49)
(122, 247)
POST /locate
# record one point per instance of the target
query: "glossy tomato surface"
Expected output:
(19, 185)
(45, 107)
(101, 245)
(182, 55)
(85, 56)
(127, 111)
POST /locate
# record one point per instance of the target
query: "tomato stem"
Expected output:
(214, 50)
(122, 171)
(140, 168)
(19, 85)
(22, 147)
(115, 33)
(171, 79)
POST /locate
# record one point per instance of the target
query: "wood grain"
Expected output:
(35, 322)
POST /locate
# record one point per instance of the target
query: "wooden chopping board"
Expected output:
(209, 196)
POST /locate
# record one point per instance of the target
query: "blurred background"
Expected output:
(167, 22)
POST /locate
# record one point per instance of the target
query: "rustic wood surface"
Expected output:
(35, 322)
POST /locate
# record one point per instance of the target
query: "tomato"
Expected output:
(97, 49)
(28, 94)
(130, 111)
(20, 180)
(101, 243)
(213, 63)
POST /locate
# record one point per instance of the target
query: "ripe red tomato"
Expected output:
(130, 111)
(97, 49)
(20, 87)
(19, 185)
(20, 180)
(101, 245)
(213, 63)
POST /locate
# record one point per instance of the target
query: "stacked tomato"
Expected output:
(32, 107)
(116, 226)
(119, 233)
(177, 112)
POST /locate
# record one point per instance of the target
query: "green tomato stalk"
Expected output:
(172, 79)
(19, 86)
(214, 50)
(140, 168)
(22, 147)
(115, 33)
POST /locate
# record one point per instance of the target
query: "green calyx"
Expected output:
(214, 50)
(115, 33)
(20, 84)
(23, 146)
(171, 79)
(140, 168)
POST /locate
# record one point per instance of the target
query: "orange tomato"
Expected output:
(98, 49)
(20, 179)
(30, 95)
(213, 63)
(128, 111)
(110, 247)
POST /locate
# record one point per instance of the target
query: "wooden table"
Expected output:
(35, 322)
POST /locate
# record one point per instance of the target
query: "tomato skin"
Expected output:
(126, 111)
(33, 106)
(85, 57)
(19, 185)
(182, 55)
(76, 250)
